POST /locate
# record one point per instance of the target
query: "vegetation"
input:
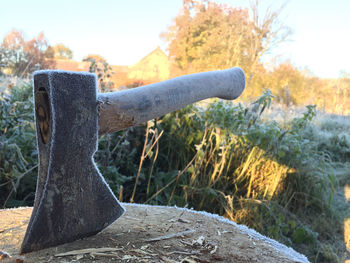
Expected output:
(278, 178)
(60, 51)
(204, 36)
(210, 36)
(18, 153)
(277, 171)
(23, 57)
(103, 71)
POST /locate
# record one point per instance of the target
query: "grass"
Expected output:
(280, 177)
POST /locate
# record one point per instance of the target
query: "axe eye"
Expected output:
(43, 115)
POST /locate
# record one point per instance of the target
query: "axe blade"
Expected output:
(72, 199)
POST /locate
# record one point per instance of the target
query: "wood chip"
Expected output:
(199, 241)
(214, 250)
(144, 247)
(4, 255)
(143, 252)
(106, 255)
(181, 220)
(186, 243)
(88, 251)
(179, 234)
(132, 218)
(168, 260)
(188, 260)
(128, 257)
(179, 252)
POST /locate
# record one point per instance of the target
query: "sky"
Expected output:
(124, 31)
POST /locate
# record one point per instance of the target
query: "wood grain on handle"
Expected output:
(123, 109)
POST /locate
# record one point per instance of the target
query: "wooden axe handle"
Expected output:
(123, 109)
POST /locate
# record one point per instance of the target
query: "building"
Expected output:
(154, 67)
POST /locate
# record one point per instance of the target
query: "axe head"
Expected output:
(72, 199)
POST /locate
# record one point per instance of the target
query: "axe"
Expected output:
(72, 199)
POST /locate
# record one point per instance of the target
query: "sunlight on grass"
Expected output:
(278, 178)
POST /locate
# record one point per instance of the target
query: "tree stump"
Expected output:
(152, 234)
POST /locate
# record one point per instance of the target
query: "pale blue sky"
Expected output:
(124, 31)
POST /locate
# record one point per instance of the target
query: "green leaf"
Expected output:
(303, 235)
(281, 154)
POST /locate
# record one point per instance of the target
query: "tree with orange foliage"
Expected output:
(103, 70)
(209, 36)
(60, 51)
(290, 85)
(23, 57)
(95, 58)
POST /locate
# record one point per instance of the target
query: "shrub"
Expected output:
(224, 159)
(18, 154)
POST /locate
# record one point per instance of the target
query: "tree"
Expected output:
(208, 36)
(102, 69)
(23, 57)
(60, 51)
(2, 60)
(13, 52)
(267, 33)
(95, 58)
(290, 85)
(203, 34)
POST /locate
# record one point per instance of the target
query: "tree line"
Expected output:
(21, 57)
(205, 36)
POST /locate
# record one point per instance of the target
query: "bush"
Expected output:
(18, 154)
(223, 159)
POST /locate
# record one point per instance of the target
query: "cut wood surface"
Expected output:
(152, 234)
